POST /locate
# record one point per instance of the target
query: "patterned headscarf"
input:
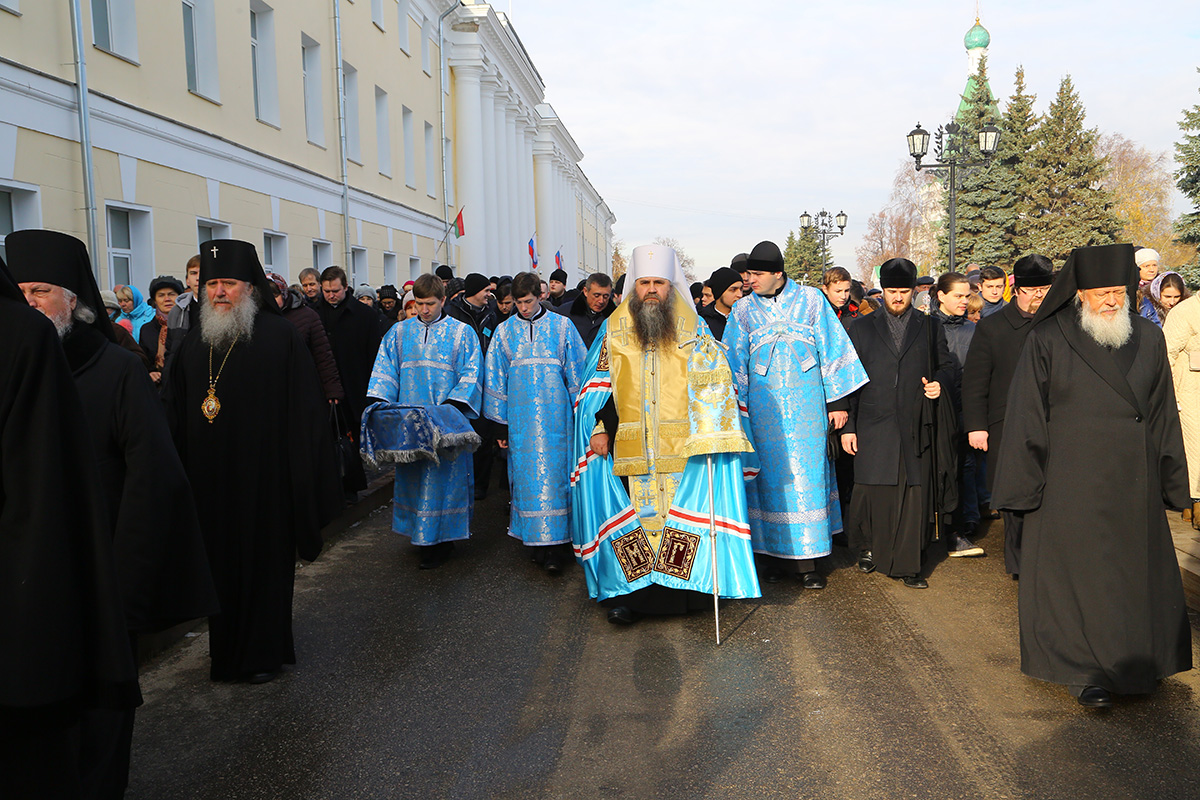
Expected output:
(1156, 285)
(279, 281)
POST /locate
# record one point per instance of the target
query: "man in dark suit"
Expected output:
(988, 372)
(889, 508)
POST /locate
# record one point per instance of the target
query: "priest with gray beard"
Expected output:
(1093, 456)
(249, 418)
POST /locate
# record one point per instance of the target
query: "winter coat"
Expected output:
(297, 312)
(1182, 331)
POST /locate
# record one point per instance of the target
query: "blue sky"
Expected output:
(718, 123)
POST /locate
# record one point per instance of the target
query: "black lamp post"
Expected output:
(823, 228)
(952, 154)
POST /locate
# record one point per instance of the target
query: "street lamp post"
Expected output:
(822, 227)
(952, 154)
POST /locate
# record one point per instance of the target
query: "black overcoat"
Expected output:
(1093, 455)
(264, 477)
(161, 564)
(62, 637)
(988, 372)
(884, 413)
(355, 331)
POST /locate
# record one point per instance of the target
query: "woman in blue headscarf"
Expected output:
(133, 308)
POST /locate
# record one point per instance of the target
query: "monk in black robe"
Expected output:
(162, 569)
(1093, 455)
(63, 645)
(249, 419)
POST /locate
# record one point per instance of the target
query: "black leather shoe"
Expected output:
(813, 580)
(434, 555)
(865, 562)
(553, 564)
(774, 575)
(915, 582)
(263, 677)
(1095, 697)
(623, 615)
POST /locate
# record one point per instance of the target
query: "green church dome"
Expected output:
(977, 37)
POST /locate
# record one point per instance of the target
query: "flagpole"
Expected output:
(446, 235)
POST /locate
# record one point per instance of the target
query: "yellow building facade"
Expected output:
(223, 118)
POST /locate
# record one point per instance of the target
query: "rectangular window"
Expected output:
(208, 229)
(410, 149)
(114, 27)
(383, 136)
(254, 80)
(130, 246)
(6, 217)
(120, 252)
(377, 13)
(353, 143)
(274, 253)
(426, 38)
(389, 269)
(200, 48)
(358, 265)
(431, 170)
(322, 254)
(314, 121)
(414, 268)
(402, 14)
(189, 45)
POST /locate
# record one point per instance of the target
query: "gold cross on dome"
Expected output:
(214, 251)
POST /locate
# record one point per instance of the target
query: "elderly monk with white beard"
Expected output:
(1093, 455)
(251, 425)
(162, 570)
(656, 424)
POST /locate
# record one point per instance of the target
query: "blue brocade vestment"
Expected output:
(790, 356)
(421, 365)
(533, 372)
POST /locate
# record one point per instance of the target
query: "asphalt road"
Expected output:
(489, 679)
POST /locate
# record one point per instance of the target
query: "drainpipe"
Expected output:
(442, 111)
(85, 138)
(341, 89)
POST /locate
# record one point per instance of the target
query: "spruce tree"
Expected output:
(985, 212)
(802, 258)
(1016, 145)
(1187, 178)
(1067, 206)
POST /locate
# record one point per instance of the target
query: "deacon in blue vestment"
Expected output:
(425, 361)
(533, 369)
(660, 525)
(793, 361)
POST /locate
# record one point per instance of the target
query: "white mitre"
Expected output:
(656, 261)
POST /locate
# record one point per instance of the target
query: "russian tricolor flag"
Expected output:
(533, 252)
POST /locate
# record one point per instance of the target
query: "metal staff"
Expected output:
(712, 539)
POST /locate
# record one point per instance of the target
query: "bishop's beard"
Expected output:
(1112, 332)
(221, 329)
(654, 323)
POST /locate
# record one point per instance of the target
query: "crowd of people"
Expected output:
(167, 456)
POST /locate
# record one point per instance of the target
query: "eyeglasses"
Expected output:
(1033, 290)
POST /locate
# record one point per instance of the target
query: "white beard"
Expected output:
(221, 328)
(1110, 333)
(62, 323)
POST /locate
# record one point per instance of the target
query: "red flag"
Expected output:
(458, 230)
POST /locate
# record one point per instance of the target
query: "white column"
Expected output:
(487, 89)
(544, 178)
(503, 253)
(529, 221)
(516, 189)
(471, 191)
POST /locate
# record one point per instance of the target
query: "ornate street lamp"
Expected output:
(822, 228)
(952, 164)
